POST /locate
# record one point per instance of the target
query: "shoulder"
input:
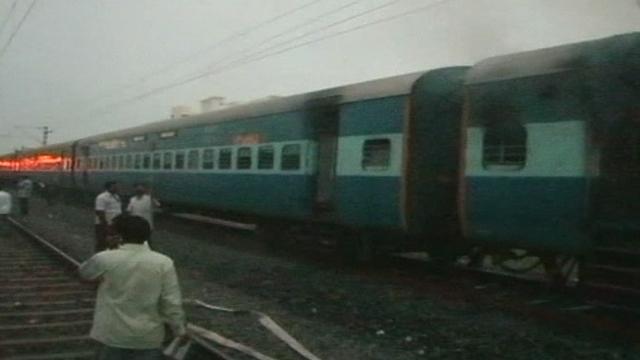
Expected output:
(161, 258)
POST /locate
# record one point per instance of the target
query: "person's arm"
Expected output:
(130, 206)
(92, 269)
(171, 301)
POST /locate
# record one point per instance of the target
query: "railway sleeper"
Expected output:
(62, 328)
(44, 316)
(48, 345)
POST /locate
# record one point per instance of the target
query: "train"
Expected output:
(537, 151)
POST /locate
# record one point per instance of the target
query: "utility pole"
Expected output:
(45, 134)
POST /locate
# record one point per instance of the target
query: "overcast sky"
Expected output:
(88, 66)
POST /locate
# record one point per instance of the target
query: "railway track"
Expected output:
(45, 310)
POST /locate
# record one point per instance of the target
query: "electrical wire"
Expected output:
(6, 20)
(248, 60)
(17, 29)
(189, 58)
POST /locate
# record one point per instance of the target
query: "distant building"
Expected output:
(212, 103)
(181, 111)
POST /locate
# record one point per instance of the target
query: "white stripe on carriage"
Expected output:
(557, 149)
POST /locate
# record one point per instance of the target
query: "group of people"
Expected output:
(138, 290)
(108, 206)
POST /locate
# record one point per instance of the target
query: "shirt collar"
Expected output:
(134, 247)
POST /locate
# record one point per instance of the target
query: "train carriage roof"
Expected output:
(392, 86)
(619, 48)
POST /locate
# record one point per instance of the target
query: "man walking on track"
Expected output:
(138, 292)
(108, 206)
(25, 188)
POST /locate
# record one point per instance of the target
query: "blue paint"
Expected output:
(368, 201)
(543, 213)
(378, 116)
(266, 195)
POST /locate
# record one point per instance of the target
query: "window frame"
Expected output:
(167, 155)
(208, 162)
(283, 157)
(222, 163)
(240, 165)
(261, 150)
(195, 161)
(183, 161)
(370, 156)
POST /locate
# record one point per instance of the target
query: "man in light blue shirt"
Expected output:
(137, 295)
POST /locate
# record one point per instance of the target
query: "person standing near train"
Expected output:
(108, 206)
(142, 204)
(5, 210)
(25, 188)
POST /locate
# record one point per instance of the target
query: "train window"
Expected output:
(137, 164)
(224, 159)
(146, 161)
(114, 162)
(193, 159)
(504, 146)
(179, 160)
(243, 161)
(129, 162)
(167, 160)
(290, 157)
(265, 157)
(157, 161)
(376, 154)
(207, 159)
(101, 163)
(121, 162)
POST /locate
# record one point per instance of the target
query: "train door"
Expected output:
(326, 125)
(620, 175)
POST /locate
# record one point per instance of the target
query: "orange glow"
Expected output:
(36, 162)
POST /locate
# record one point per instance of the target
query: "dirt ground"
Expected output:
(337, 313)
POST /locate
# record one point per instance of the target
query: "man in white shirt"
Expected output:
(25, 188)
(137, 295)
(142, 204)
(5, 209)
(108, 206)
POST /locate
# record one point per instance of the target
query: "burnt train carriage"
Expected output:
(378, 157)
(552, 149)
(49, 164)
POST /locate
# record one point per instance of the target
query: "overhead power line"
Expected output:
(289, 30)
(258, 56)
(6, 20)
(17, 29)
(235, 36)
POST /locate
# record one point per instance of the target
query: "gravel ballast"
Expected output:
(336, 313)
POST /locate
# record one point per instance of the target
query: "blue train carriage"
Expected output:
(551, 155)
(335, 157)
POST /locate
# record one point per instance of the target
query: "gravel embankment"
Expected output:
(337, 314)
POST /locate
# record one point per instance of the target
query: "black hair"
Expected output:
(132, 229)
(109, 184)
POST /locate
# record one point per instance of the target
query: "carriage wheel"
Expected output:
(517, 261)
(562, 270)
